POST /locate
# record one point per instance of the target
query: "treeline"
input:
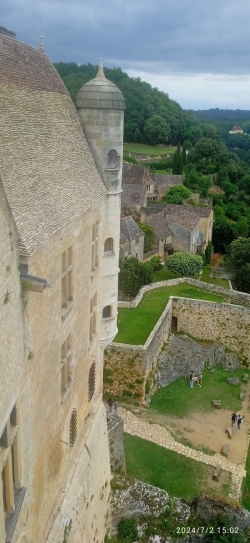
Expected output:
(214, 114)
(150, 115)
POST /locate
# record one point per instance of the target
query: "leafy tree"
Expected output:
(134, 275)
(238, 260)
(208, 252)
(196, 181)
(185, 264)
(241, 229)
(177, 194)
(222, 234)
(184, 153)
(149, 236)
(157, 130)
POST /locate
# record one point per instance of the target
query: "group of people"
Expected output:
(193, 379)
(113, 404)
(236, 419)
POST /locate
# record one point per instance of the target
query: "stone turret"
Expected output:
(100, 105)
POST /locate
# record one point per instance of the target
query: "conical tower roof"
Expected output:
(100, 93)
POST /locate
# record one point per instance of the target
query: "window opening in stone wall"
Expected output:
(10, 460)
(112, 159)
(67, 287)
(106, 313)
(73, 428)
(95, 243)
(108, 245)
(92, 320)
(92, 380)
(66, 373)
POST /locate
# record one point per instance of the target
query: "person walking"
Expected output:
(239, 421)
(233, 419)
(191, 379)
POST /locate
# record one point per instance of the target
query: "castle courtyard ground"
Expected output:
(200, 436)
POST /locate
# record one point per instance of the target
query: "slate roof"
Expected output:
(134, 194)
(160, 225)
(167, 180)
(182, 215)
(47, 169)
(129, 229)
(199, 211)
(134, 174)
(100, 93)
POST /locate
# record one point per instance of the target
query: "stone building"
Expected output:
(131, 239)
(163, 182)
(136, 185)
(182, 228)
(60, 187)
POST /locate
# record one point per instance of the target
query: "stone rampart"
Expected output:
(223, 323)
(116, 447)
(127, 367)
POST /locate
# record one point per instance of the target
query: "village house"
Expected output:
(236, 130)
(131, 239)
(133, 177)
(60, 193)
(182, 228)
(163, 182)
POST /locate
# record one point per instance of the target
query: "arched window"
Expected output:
(112, 159)
(106, 312)
(108, 245)
(92, 380)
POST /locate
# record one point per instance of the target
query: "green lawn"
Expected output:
(180, 476)
(219, 282)
(144, 149)
(163, 275)
(179, 400)
(246, 485)
(135, 325)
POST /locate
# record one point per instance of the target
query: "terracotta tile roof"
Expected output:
(129, 229)
(47, 169)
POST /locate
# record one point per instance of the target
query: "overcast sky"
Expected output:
(196, 50)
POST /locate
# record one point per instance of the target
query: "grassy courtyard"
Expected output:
(214, 281)
(143, 149)
(135, 324)
(175, 398)
(180, 476)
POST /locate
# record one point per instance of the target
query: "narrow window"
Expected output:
(106, 313)
(67, 286)
(92, 320)
(92, 380)
(66, 364)
(95, 245)
(11, 471)
(112, 159)
(108, 245)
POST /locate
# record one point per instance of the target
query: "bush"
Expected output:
(127, 530)
(156, 263)
(177, 194)
(149, 236)
(134, 275)
(185, 264)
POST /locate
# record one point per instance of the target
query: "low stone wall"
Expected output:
(241, 298)
(223, 323)
(116, 448)
(127, 367)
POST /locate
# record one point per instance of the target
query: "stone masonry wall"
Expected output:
(127, 367)
(226, 324)
(116, 447)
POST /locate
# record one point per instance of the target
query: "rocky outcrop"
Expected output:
(183, 355)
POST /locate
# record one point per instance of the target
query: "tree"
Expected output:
(241, 229)
(177, 194)
(149, 236)
(208, 252)
(222, 234)
(157, 130)
(238, 260)
(177, 162)
(184, 264)
(134, 275)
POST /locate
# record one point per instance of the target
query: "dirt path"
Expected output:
(206, 431)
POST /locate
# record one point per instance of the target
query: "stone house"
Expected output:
(60, 191)
(163, 182)
(182, 228)
(135, 175)
(236, 130)
(131, 239)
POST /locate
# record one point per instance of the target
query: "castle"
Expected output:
(60, 189)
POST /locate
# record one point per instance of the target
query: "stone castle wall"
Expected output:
(116, 447)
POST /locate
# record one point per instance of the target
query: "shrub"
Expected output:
(127, 530)
(177, 194)
(185, 264)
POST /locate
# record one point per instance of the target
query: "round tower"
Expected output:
(100, 105)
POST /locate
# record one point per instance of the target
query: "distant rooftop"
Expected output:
(7, 32)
